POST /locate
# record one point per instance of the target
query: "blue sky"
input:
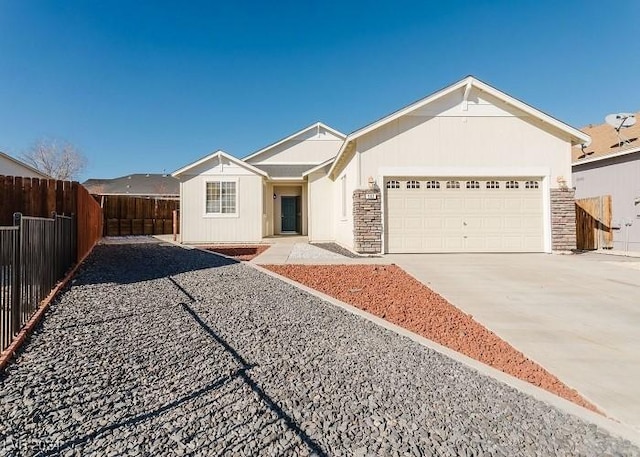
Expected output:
(147, 86)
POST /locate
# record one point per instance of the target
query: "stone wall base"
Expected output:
(367, 221)
(563, 220)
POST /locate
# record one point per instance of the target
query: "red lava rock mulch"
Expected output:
(389, 292)
(243, 253)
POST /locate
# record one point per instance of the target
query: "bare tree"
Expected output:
(56, 158)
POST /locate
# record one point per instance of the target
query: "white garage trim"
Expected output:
(539, 173)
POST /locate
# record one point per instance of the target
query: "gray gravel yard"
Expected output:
(157, 350)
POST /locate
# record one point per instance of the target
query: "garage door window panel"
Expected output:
(473, 184)
(453, 185)
(413, 184)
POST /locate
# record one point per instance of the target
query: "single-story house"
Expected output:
(10, 166)
(466, 169)
(152, 185)
(610, 165)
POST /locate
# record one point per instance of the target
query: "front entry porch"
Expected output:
(285, 211)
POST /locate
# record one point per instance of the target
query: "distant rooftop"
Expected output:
(144, 185)
(605, 141)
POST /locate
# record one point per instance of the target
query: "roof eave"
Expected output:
(27, 166)
(220, 153)
(576, 136)
(319, 167)
(604, 157)
(292, 136)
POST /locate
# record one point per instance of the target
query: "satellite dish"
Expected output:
(620, 120)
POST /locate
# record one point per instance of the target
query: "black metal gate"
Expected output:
(34, 254)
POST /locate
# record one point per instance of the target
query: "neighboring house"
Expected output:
(466, 169)
(10, 166)
(136, 185)
(610, 165)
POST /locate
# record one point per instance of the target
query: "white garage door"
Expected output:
(463, 215)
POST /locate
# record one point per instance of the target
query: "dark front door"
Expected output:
(289, 214)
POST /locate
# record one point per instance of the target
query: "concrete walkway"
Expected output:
(577, 315)
(297, 250)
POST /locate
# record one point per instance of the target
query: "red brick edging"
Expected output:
(7, 354)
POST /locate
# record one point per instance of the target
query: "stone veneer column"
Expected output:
(563, 220)
(367, 221)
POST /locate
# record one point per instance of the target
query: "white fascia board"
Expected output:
(470, 172)
(220, 153)
(610, 156)
(296, 179)
(319, 167)
(332, 130)
(337, 158)
(286, 163)
(292, 136)
(180, 171)
(577, 136)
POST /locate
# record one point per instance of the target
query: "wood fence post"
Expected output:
(175, 224)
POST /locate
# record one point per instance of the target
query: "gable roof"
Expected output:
(218, 153)
(605, 142)
(293, 136)
(143, 184)
(577, 137)
(24, 165)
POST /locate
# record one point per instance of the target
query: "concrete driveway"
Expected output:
(576, 315)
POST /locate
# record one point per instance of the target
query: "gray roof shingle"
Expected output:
(285, 170)
(151, 184)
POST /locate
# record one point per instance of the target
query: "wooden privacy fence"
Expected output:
(35, 197)
(126, 215)
(593, 223)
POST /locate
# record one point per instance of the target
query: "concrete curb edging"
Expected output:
(610, 425)
(7, 355)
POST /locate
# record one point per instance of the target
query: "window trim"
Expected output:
(208, 180)
(343, 201)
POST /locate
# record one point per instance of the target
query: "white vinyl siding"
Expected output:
(321, 204)
(221, 198)
(245, 225)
